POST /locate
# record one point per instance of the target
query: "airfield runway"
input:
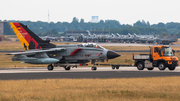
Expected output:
(82, 72)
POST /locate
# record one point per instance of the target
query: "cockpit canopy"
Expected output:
(91, 45)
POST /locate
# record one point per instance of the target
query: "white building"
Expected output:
(95, 19)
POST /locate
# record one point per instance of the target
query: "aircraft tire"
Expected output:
(93, 68)
(161, 66)
(67, 68)
(50, 67)
(117, 67)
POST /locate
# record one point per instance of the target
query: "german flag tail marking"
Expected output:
(28, 39)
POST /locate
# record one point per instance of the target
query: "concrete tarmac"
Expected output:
(82, 72)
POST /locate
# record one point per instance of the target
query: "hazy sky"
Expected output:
(125, 11)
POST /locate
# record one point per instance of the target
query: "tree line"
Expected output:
(113, 26)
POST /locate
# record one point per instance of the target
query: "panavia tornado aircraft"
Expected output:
(38, 51)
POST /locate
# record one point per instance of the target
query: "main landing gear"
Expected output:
(67, 67)
(50, 67)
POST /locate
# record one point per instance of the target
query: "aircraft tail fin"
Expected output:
(171, 35)
(176, 36)
(28, 39)
(162, 35)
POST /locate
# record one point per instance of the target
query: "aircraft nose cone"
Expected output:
(112, 55)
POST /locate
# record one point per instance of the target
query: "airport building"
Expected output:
(2, 27)
(94, 19)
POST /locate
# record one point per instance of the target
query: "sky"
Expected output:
(124, 11)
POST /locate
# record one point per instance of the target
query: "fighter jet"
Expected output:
(68, 39)
(125, 38)
(166, 41)
(50, 38)
(38, 51)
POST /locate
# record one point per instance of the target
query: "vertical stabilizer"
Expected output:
(28, 39)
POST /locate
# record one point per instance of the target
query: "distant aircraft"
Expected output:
(46, 38)
(166, 41)
(39, 51)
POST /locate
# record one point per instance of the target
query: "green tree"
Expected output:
(82, 21)
(54, 31)
(161, 25)
(7, 29)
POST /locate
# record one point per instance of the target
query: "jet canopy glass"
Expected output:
(91, 45)
(167, 51)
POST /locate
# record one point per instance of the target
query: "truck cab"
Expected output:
(160, 56)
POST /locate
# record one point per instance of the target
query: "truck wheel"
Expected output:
(113, 67)
(171, 67)
(140, 66)
(161, 66)
(117, 67)
(150, 68)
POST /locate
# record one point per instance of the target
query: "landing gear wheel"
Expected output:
(171, 67)
(113, 67)
(117, 67)
(150, 68)
(161, 66)
(50, 67)
(94, 68)
(67, 68)
(140, 66)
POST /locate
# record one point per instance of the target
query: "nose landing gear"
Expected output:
(94, 68)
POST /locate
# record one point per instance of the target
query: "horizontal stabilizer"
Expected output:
(46, 41)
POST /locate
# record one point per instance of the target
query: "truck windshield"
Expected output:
(167, 51)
